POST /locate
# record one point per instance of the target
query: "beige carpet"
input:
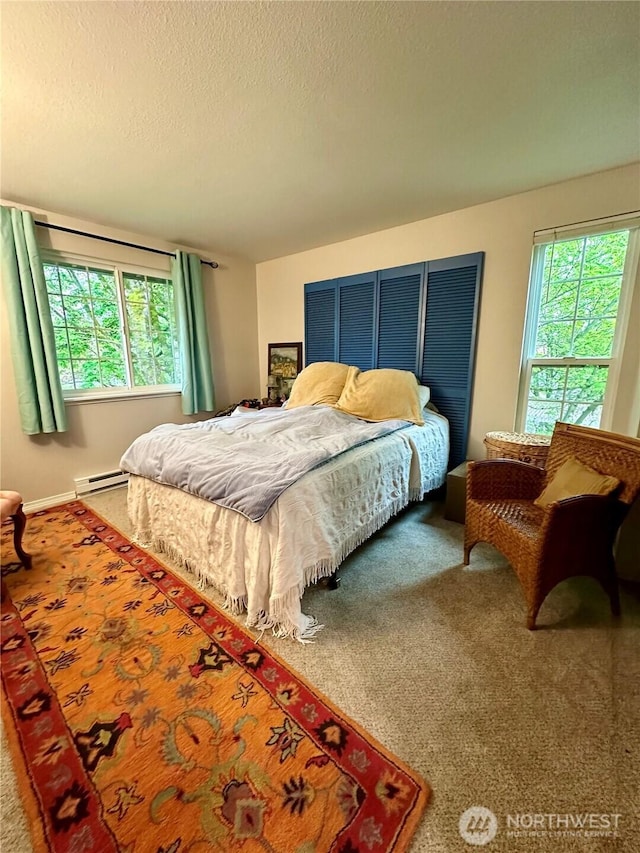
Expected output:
(434, 660)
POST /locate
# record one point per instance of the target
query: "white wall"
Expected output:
(503, 230)
(242, 323)
(45, 465)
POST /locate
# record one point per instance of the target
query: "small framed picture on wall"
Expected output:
(285, 360)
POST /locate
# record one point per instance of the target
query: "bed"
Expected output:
(263, 566)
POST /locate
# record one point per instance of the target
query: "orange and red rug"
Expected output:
(142, 719)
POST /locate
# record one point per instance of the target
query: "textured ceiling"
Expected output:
(261, 129)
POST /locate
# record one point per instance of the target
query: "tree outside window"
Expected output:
(570, 340)
(113, 329)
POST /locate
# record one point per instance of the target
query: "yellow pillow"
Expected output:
(321, 382)
(573, 478)
(380, 395)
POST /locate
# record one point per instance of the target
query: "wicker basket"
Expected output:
(526, 447)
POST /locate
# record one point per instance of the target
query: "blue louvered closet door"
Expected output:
(419, 317)
(320, 317)
(399, 317)
(356, 319)
(448, 353)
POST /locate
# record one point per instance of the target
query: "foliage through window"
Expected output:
(570, 340)
(113, 329)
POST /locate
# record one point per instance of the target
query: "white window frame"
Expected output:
(614, 361)
(117, 268)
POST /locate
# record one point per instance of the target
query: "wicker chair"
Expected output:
(570, 537)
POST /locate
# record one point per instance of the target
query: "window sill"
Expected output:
(109, 396)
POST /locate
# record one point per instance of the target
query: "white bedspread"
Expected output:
(264, 566)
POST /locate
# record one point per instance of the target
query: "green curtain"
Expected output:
(197, 381)
(33, 348)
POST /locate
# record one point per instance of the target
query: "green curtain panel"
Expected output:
(197, 381)
(33, 349)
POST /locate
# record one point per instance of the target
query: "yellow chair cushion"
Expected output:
(381, 395)
(573, 478)
(321, 382)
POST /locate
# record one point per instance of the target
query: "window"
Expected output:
(114, 329)
(575, 329)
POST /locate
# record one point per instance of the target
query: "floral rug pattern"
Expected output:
(142, 719)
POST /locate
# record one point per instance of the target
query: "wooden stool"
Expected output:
(11, 507)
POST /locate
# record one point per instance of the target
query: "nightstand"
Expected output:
(454, 505)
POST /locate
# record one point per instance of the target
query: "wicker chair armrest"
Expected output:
(583, 514)
(504, 479)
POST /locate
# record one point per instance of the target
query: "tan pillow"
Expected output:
(380, 395)
(573, 478)
(321, 382)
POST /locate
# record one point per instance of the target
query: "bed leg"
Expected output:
(333, 582)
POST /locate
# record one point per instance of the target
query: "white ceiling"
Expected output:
(261, 129)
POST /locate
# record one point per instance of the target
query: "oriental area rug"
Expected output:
(142, 719)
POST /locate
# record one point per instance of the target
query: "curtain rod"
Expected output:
(212, 264)
(611, 218)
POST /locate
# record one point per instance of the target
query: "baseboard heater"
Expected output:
(100, 482)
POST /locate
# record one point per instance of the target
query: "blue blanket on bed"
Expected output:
(245, 462)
